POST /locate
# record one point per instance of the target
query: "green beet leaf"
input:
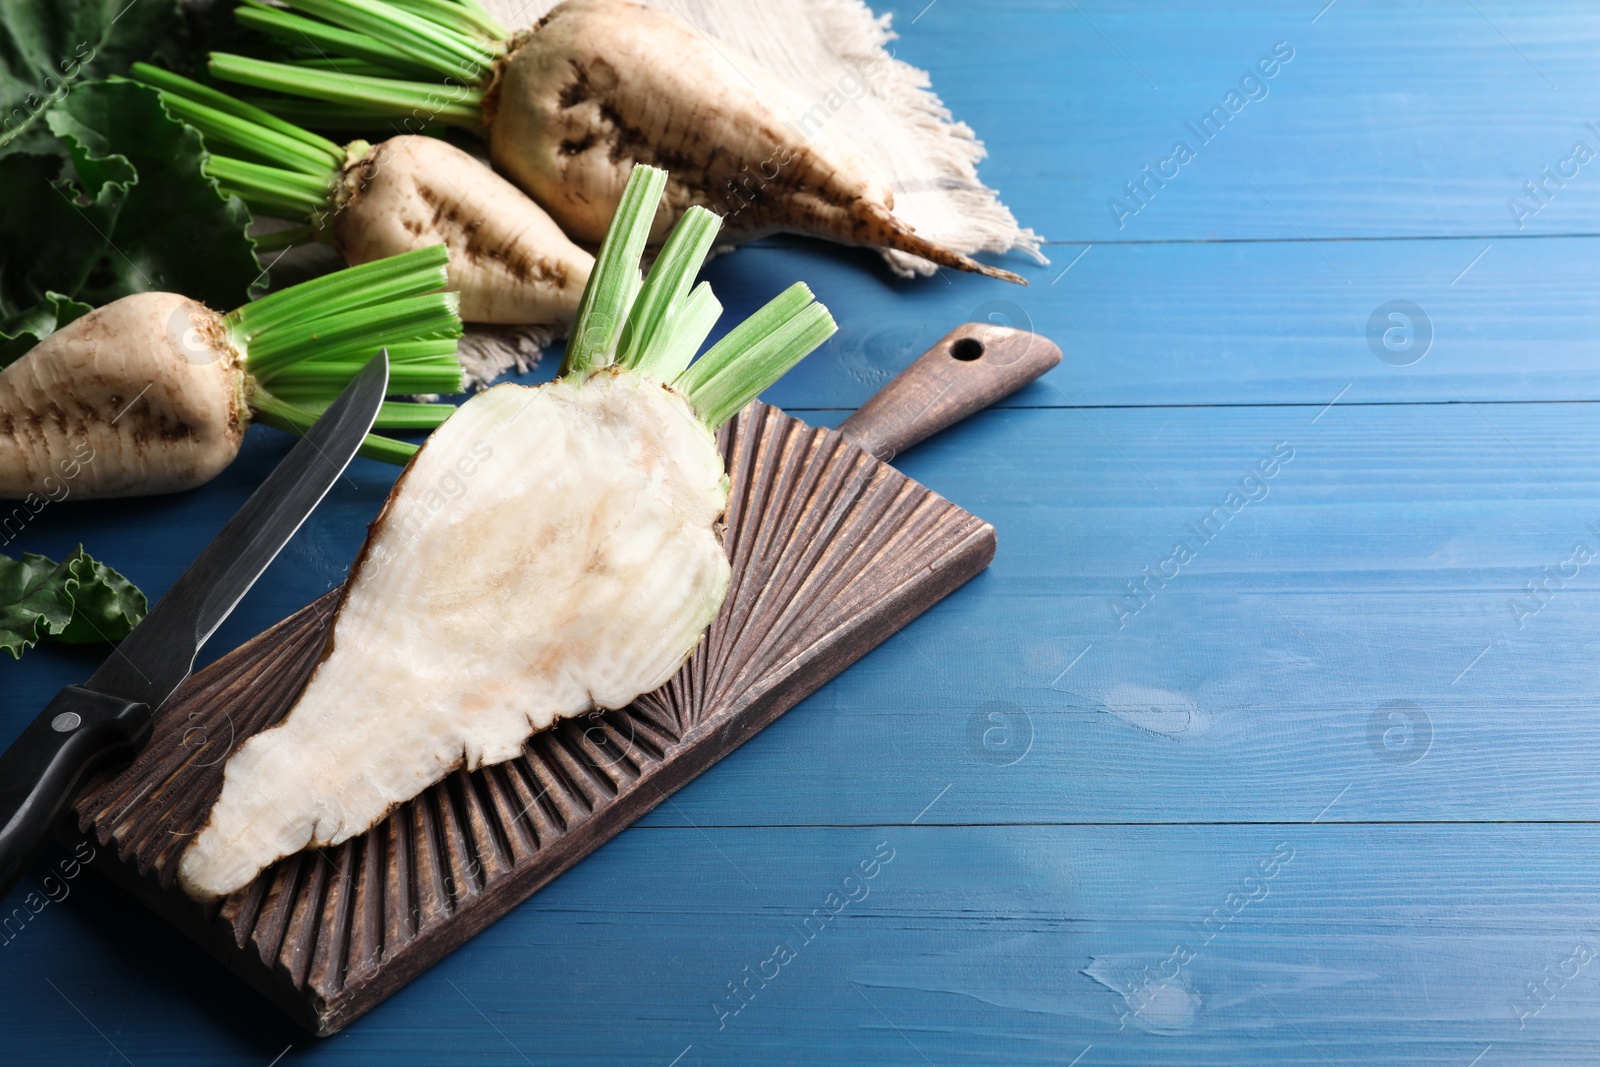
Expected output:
(76, 601)
(176, 232)
(105, 605)
(26, 328)
(128, 210)
(50, 47)
(51, 241)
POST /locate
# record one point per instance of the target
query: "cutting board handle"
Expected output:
(975, 365)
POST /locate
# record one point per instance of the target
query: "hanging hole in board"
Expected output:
(967, 349)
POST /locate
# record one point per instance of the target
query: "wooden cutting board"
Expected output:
(833, 550)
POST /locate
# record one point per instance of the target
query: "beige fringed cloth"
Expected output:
(834, 53)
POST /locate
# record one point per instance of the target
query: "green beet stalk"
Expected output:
(274, 166)
(303, 345)
(371, 60)
(654, 326)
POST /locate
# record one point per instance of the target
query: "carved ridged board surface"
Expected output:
(832, 552)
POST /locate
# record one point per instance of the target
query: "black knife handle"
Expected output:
(79, 731)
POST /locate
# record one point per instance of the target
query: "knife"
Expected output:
(108, 717)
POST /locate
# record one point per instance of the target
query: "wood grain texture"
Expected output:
(973, 366)
(1391, 120)
(1380, 565)
(1025, 945)
(1222, 323)
(1391, 945)
(832, 553)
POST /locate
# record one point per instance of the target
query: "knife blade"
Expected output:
(87, 726)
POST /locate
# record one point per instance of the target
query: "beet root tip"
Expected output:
(890, 232)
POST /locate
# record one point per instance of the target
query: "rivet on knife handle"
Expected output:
(974, 366)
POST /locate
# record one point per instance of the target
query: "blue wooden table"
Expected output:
(1270, 736)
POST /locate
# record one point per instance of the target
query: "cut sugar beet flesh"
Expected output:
(550, 550)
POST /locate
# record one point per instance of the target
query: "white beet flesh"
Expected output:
(142, 396)
(549, 551)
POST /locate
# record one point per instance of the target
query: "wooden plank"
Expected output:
(1141, 325)
(1376, 574)
(1222, 323)
(1016, 944)
(1381, 564)
(832, 551)
(1398, 944)
(1420, 119)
